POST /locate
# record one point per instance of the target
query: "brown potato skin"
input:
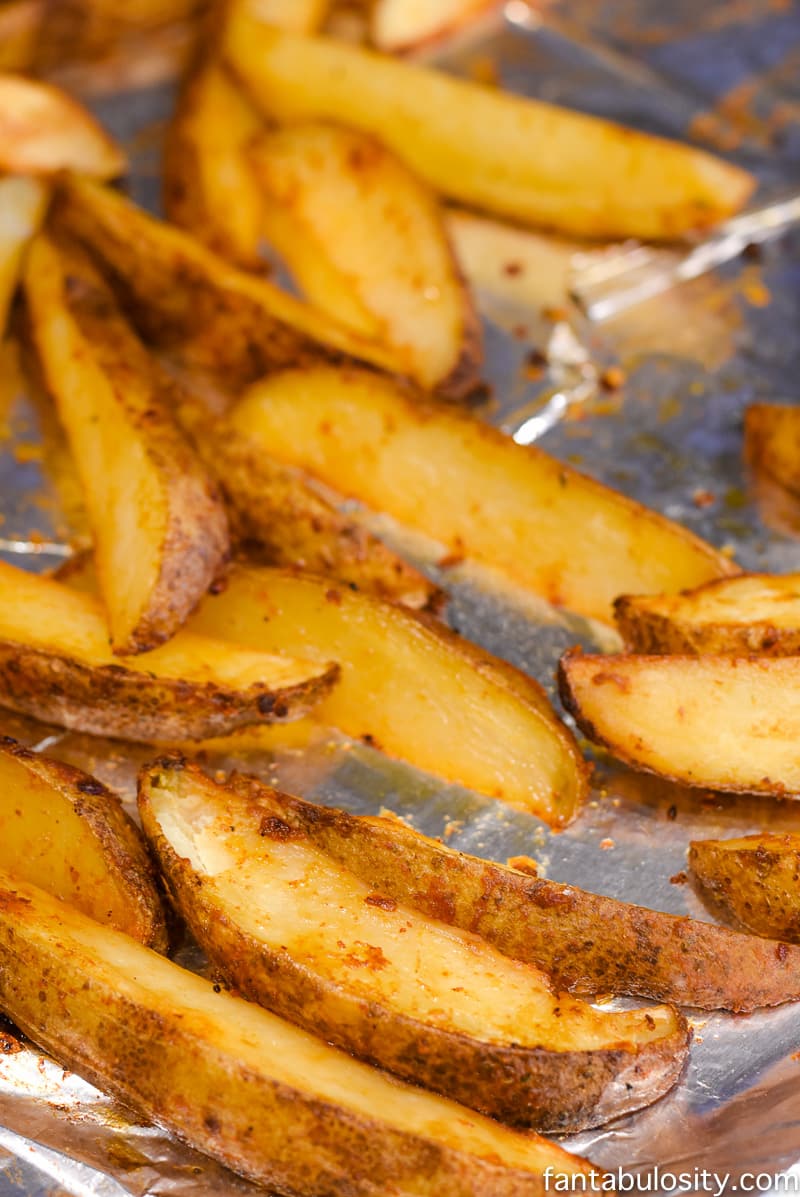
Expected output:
(756, 883)
(653, 632)
(588, 943)
(196, 544)
(292, 1141)
(535, 1088)
(125, 704)
(120, 840)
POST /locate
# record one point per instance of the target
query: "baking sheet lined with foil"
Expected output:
(724, 74)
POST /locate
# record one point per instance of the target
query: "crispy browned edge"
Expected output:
(652, 632)
(737, 882)
(533, 1087)
(277, 519)
(120, 840)
(127, 704)
(196, 542)
(302, 1144)
(588, 943)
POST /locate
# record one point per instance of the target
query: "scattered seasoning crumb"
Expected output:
(452, 827)
(512, 269)
(612, 378)
(555, 315)
(520, 332)
(672, 813)
(607, 843)
(678, 878)
(27, 451)
(703, 498)
(523, 864)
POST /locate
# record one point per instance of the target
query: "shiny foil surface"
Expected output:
(726, 75)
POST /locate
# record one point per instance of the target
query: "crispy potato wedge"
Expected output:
(296, 931)
(722, 722)
(276, 518)
(772, 454)
(754, 880)
(209, 185)
(43, 130)
(411, 688)
(55, 664)
(267, 1099)
(66, 832)
(159, 526)
(479, 146)
(179, 293)
(366, 242)
(587, 943)
(544, 526)
(750, 614)
(398, 25)
(23, 202)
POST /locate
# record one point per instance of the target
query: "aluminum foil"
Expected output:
(726, 74)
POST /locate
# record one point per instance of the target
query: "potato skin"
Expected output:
(110, 700)
(291, 1140)
(531, 1087)
(755, 880)
(588, 943)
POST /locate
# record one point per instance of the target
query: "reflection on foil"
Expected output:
(671, 437)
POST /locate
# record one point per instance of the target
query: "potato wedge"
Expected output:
(20, 25)
(55, 664)
(43, 131)
(178, 293)
(67, 833)
(398, 25)
(239, 1083)
(411, 688)
(754, 880)
(544, 526)
(721, 722)
(294, 930)
(209, 185)
(159, 526)
(482, 147)
(772, 454)
(587, 943)
(23, 202)
(367, 244)
(750, 614)
(298, 16)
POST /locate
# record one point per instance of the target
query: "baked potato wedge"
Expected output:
(587, 943)
(478, 145)
(398, 25)
(293, 929)
(159, 526)
(209, 185)
(410, 687)
(754, 880)
(267, 1099)
(721, 722)
(66, 832)
(55, 664)
(181, 295)
(772, 453)
(366, 242)
(23, 202)
(749, 614)
(541, 524)
(43, 131)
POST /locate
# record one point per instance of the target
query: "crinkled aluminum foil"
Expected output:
(726, 71)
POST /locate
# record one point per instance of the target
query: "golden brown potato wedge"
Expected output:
(482, 147)
(772, 454)
(750, 614)
(55, 664)
(411, 688)
(209, 185)
(446, 474)
(296, 931)
(159, 526)
(587, 943)
(397, 25)
(20, 25)
(23, 202)
(43, 130)
(277, 518)
(754, 880)
(180, 294)
(267, 1099)
(722, 722)
(366, 242)
(66, 832)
